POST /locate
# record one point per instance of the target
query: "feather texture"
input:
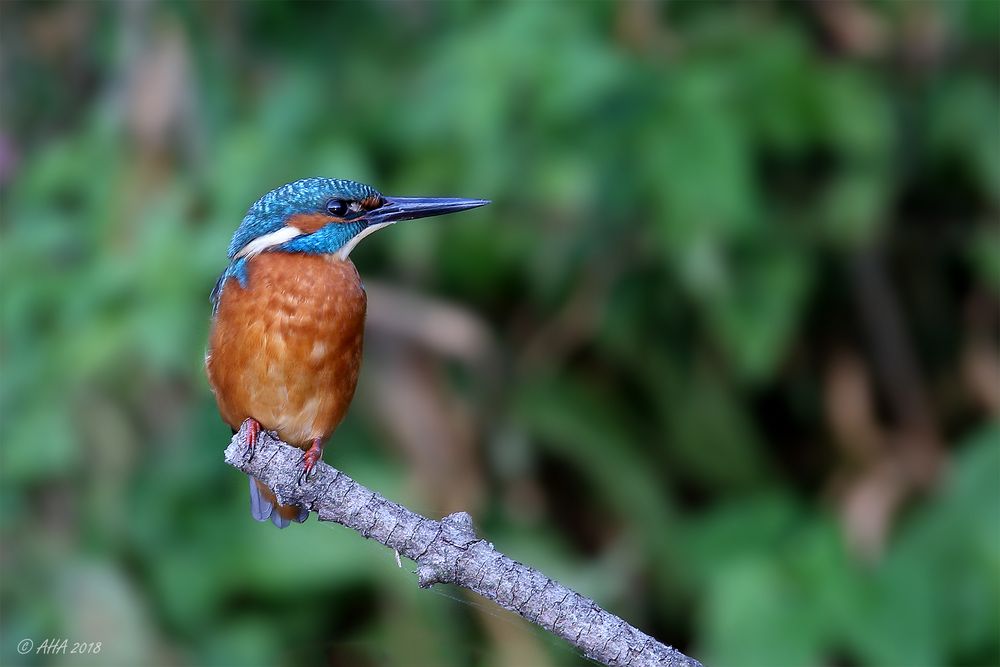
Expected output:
(285, 349)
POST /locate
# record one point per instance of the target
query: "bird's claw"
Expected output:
(310, 458)
(308, 467)
(253, 431)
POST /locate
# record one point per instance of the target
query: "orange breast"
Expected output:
(287, 349)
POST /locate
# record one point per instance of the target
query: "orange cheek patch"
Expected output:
(370, 203)
(310, 222)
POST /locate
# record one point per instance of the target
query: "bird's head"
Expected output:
(328, 216)
(322, 216)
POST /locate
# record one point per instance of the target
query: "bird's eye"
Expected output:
(337, 207)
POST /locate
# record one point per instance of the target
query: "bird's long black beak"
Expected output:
(411, 208)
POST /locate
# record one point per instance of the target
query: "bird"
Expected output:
(288, 315)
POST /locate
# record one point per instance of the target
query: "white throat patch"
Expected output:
(346, 249)
(262, 243)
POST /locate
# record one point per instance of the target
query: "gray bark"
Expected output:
(448, 551)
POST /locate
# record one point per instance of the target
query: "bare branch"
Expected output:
(448, 551)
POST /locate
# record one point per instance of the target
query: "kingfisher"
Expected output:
(288, 315)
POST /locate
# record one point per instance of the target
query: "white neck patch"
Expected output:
(262, 243)
(346, 249)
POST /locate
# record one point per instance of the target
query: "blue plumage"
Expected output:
(236, 269)
(260, 509)
(326, 240)
(308, 195)
(321, 216)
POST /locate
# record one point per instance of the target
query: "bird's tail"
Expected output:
(264, 506)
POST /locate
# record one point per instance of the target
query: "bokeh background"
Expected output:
(722, 354)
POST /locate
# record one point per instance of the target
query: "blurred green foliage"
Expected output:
(739, 279)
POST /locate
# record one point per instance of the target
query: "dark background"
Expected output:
(721, 355)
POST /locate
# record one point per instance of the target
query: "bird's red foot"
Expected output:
(253, 430)
(309, 459)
